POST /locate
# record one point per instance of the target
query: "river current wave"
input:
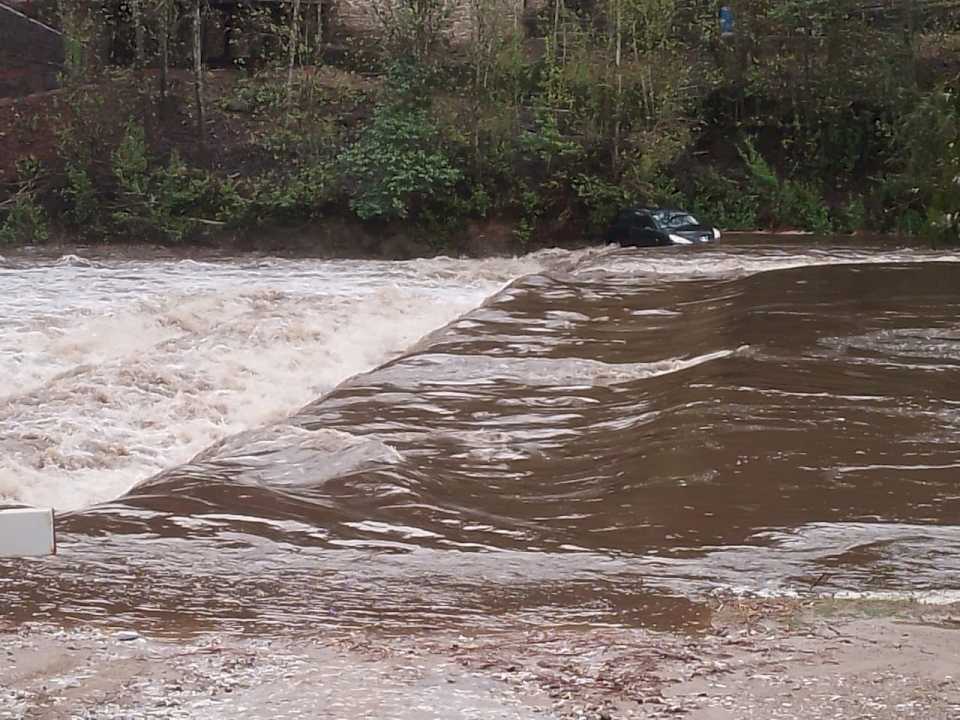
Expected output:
(599, 436)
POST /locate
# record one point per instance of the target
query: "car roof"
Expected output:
(652, 210)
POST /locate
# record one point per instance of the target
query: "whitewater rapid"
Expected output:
(594, 436)
(112, 370)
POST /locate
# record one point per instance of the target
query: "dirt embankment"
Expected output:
(757, 660)
(241, 131)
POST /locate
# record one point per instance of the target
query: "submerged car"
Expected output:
(650, 227)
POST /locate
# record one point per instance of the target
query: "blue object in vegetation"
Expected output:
(726, 21)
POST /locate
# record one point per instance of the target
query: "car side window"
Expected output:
(644, 222)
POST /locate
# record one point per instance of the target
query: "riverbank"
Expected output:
(786, 660)
(517, 148)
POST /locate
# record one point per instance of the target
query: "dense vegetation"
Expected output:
(825, 115)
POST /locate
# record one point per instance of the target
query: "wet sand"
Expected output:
(756, 659)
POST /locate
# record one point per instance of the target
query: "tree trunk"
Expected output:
(478, 58)
(318, 41)
(615, 160)
(294, 44)
(143, 92)
(165, 8)
(136, 11)
(198, 69)
(556, 28)
(911, 42)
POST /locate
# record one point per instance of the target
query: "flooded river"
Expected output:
(603, 437)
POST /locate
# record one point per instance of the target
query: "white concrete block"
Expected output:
(27, 531)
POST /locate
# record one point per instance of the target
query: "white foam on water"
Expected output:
(111, 371)
(433, 369)
(897, 561)
(920, 597)
(725, 260)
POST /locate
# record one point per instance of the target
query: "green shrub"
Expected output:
(764, 180)
(910, 222)
(83, 205)
(789, 202)
(852, 216)
(130, 161)
(299, 195)
(171, 202)
(396, 165)
(601, 199)
(25, 222)
(547, 144)
(800, 204)
(262, 93)
(724, 202)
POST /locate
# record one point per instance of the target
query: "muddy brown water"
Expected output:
(610, 439)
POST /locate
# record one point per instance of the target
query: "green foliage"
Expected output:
(626, 96)
(547, 144)
(910, 222)
(762, 176)
(80, 192)
(24, 221)
(78, 33)
(407, 84)
(400, 167)
(414, 29)
(852, 216)
(311, 142)
(930, 174)
(265, 94)
(602, 199)
(786, 202)
(723, 201)
(29, 172)
(801, 205)
(83, 205)
(130, 162)
(258, 94)
(171, 202)
(943, 227)
(291, 197)
(259, 36)
(397, 165)
(451, 213)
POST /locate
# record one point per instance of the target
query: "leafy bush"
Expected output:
(794, 203)
(547, 144)
(942, 227)
(852, 216)
(262, 93)
(172, 201)
(396, 164)
(602, 199)
(130, 161)
(930, 136)
(763, 178)
(724, 202)
(83, 206)
(800, 204)
(24, 220)
(291, 197)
